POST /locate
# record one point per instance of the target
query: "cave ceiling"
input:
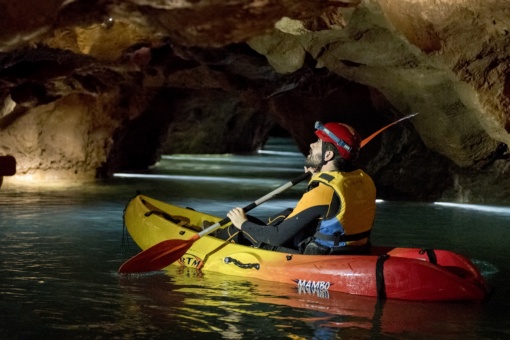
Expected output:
(88, 88)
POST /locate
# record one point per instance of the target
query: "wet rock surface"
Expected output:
(90, 88)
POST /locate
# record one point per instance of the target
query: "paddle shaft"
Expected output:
(258, 202)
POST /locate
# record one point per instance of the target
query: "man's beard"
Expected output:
(313, 161)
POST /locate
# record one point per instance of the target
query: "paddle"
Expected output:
(369, 138)
(167, 252)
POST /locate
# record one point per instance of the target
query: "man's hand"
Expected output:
(237, 216)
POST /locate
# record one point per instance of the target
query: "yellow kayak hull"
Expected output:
(399, 273)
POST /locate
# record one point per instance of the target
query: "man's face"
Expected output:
(314, 159)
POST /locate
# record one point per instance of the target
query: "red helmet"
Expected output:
(343, 136)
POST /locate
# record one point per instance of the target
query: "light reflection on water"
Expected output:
(60, 250)
(503, 211)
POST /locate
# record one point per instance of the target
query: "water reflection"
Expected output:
(60, 248)
(237, 308)
(503, 211)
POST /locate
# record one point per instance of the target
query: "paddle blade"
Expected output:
(369, 138)
(157, 257)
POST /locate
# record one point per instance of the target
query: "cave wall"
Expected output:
(88, 88)
(371, 50)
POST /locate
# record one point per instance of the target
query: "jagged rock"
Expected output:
(89, 88)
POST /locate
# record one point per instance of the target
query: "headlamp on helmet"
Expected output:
(343, 136)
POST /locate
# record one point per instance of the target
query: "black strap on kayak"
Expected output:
(430, 253)
(162, 214)
(336, 238)
(229, 259)
(379, 276)
(155, 210)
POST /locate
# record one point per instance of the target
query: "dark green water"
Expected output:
(60, 249)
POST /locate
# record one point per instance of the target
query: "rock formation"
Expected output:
(88, 88)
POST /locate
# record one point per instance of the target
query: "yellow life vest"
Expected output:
(353, 222)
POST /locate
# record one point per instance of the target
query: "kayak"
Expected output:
(387, 272)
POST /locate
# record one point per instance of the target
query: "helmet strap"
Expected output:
(323, 157)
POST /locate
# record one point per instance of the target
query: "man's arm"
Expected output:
(313, 205)
(285, 231)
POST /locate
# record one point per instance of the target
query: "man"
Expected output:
(335, 215)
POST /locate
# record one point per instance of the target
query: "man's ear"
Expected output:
(329, 155)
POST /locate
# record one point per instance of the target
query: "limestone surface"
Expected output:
(88, 88)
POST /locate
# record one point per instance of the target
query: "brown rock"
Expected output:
(82, 83)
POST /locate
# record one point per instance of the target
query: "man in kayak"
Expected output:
(334, 216)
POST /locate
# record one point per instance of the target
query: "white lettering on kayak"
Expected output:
(314, 287)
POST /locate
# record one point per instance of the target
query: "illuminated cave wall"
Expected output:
(89, 88)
